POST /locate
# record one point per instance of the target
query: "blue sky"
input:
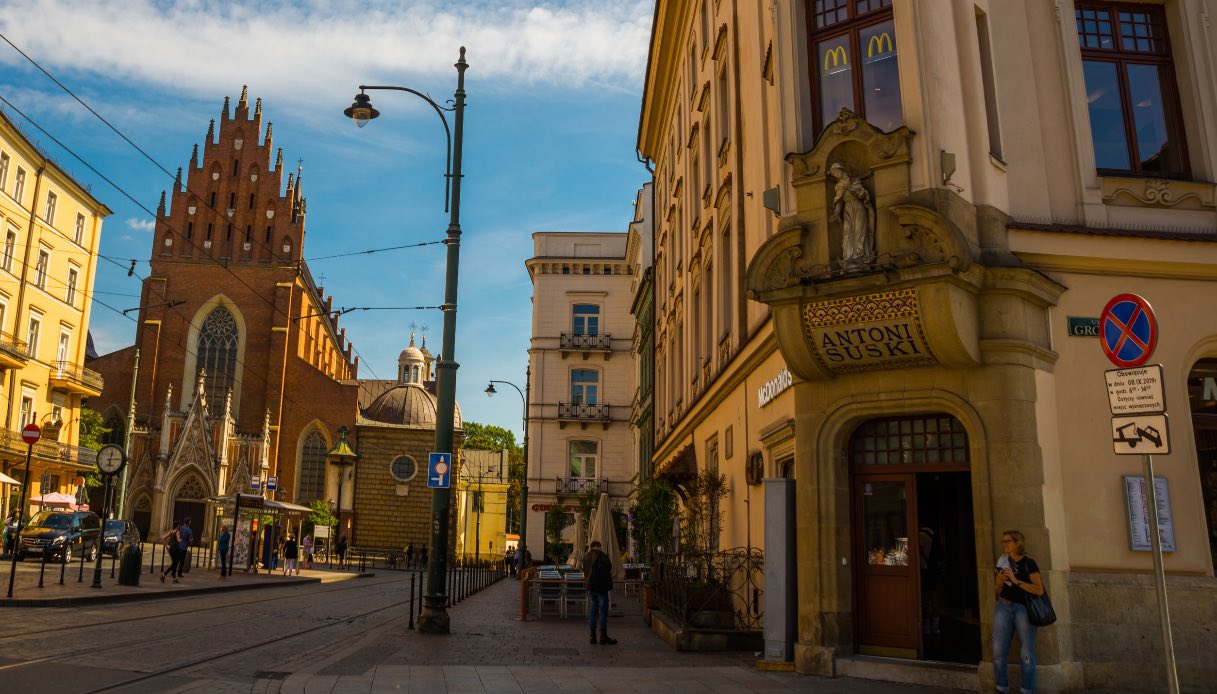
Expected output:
(553, 97)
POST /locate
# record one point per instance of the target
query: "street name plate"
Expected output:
(1144, 434)
(1135, 391)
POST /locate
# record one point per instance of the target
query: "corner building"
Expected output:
(918, 209)
(243, 370)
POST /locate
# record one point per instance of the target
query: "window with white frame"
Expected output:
(19, 185)
(63, 353)
(10, 247)
(79, 234)
(49, 213)
(584, 386)
(584, 458)
(31, 336)
(27, 410)
(585, 319)
(69, 294)
(4, 162)
(40, 270)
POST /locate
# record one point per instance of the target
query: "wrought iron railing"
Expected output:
(589, 342)
(579, 485)
(718, 590)
(582, 410)
(48, 450)
(68, 371)
(12, 346)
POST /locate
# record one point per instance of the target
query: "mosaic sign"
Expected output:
(868, 332)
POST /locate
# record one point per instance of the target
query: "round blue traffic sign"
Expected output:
(1128, 330)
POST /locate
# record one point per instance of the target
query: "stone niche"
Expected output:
(868, 275)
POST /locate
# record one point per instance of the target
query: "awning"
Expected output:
(5, 479)
(290, 509)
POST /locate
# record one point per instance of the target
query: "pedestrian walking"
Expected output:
(598, 577)
(186, 538)
(409, 554)
(290, 550)
(1017, 576)
(222, 547)
(422, 557)
(171, 540)
(306, 546)
(340, 548)
(517, 562)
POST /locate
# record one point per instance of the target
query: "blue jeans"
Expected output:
(1009, 618)
(597, 604)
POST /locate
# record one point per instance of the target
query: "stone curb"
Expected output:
(79, 600)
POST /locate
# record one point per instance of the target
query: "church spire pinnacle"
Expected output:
(211, 127)
(244, 100)
(160, 209)
(194, 157)
(279, 160)
(177, 181)
(225, 114)
(258, 107)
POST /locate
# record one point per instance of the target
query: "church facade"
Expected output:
(240, 369)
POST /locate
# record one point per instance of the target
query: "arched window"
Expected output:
(312, 468)
(217, 356)
(116, 430)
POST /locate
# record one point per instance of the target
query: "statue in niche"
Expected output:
(852, 206)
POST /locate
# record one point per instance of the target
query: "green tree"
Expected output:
(653, 512)
(92, 429)
(487, 437)
(320, 515)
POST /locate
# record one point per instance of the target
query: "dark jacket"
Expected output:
(598, 571)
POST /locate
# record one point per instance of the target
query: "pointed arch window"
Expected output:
(312, 468)
(217, 356)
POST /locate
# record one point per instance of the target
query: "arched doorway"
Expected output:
(142, 515)
(190, 501)
(915, 588)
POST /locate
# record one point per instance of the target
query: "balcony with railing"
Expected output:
(578, 342)
(584, 412)
(69, 377)
(14, 353)
(48, 449)
(580, 485)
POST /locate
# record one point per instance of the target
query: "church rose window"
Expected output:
(312, 467)
(217, 356)
(191, 489)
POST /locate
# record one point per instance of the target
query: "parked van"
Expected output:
(60, 534)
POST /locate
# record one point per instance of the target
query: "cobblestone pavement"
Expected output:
(353, 636)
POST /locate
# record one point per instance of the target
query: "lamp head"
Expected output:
(361, 111)
(490, 391)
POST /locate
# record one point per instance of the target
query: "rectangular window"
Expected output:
(62, 354)
(70, 292)
(725, 283)
(32, 336)
(584, 456)
(4, 161)
(79, 234)
(19, 185)
(584, 386)
(1132, 97)
(40, 271)
(987, 81)
(721, 112)
(49, 213)
(27, 410)
(585, 319)
(856, 63)
(10, 245)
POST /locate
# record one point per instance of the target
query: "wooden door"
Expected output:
(887, 597)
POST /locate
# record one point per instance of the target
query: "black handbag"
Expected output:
(1039, 609)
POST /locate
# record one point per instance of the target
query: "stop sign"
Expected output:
(30, 433)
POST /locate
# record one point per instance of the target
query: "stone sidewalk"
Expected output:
(77, 588)
(490, 652)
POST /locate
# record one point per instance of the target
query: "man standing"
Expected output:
(187, 536)
(222, 548)
(598, 575)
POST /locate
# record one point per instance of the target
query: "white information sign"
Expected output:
(1135, 391)
(321, 531)
(1138, 514)
(1143, 434)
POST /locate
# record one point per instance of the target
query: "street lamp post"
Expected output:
(524, 396)
(343, 456)
(434, 616)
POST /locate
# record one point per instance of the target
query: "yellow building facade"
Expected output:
(51, 228)
(481, 501)
(885, 233)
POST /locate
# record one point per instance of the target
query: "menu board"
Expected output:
(1137, 502)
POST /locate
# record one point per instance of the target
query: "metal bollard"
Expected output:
(162, 557)
(151, 558)
(42, 569)
(411, 602)
(114, 559)
(420, 593)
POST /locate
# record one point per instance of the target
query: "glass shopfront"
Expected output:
(1202, 395)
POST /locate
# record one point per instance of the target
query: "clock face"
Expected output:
(110, 459)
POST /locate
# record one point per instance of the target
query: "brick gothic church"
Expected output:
(243, 369)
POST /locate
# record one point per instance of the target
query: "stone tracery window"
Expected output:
(312, 467)
(191, 489)
(217, 356)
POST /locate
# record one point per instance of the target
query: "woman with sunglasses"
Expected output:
(1017, 575)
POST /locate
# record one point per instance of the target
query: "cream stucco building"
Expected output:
(51, 228)
(885, 232)
(582, 375)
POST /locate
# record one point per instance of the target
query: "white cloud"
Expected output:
(299, 51)
(141, 224)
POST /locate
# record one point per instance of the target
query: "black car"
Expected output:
(116, 535)
(60, 534)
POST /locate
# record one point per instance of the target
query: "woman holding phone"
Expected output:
(1017, 576)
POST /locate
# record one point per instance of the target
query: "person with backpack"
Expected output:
(598, 577)
(222, 548)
